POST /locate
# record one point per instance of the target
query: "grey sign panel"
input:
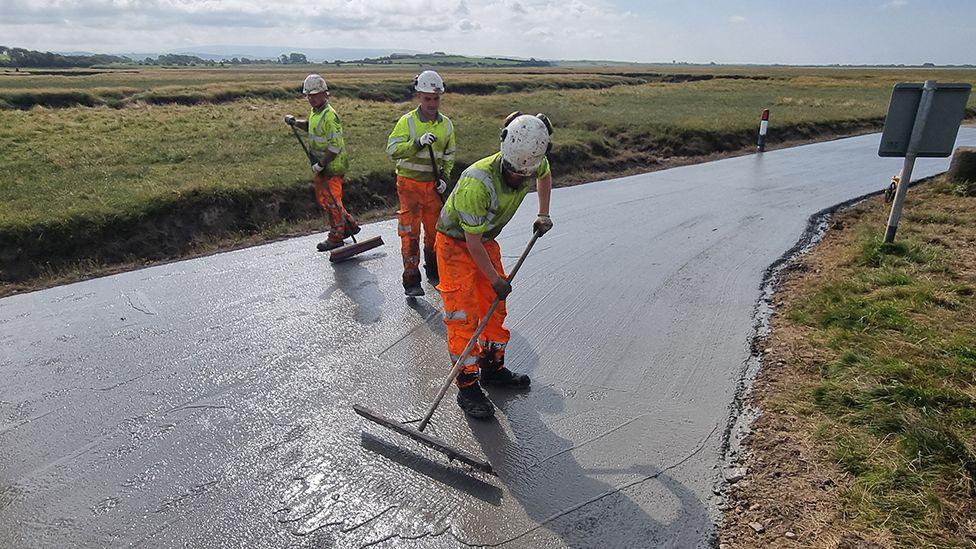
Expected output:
(947, 111)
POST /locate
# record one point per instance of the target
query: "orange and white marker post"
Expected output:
(763, 126)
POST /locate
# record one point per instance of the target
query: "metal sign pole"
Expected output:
(924, 106)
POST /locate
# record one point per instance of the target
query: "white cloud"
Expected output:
(651, 30)
(523, 28)
(172, 15)
(538, 32)
(467, 25)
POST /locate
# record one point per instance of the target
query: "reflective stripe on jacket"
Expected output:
(414, 162)
(481, 202)
(325, 134)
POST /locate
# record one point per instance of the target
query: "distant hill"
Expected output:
(314, 55)
(440, 59)
(135, 56)
(597, 63)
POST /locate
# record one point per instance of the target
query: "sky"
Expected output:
(732, 31)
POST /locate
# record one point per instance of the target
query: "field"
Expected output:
(90, 154)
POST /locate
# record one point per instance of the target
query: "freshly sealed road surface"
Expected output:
(208, 402)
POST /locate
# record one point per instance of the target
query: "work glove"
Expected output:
(426, 139)
(290, 120)
(316, 167)
(441, 186)
(502, 288)
(542, 224)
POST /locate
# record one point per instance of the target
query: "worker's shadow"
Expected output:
(567, 499)
(353, 279)
(431, 311)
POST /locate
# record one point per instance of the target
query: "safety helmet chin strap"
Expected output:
(508, 173)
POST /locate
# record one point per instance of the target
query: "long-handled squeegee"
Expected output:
(343, 252)
(418, 433)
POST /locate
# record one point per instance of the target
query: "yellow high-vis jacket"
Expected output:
(413, 161)
(325, 134)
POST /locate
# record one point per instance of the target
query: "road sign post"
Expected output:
(921, 117)
(922, 121)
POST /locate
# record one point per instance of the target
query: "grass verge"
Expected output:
(868, 391)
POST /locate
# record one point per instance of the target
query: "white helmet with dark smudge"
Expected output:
(314, 83)
(526, 140)
(429, 82)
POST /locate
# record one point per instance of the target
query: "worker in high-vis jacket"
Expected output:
(327, 144)
(419, 182)
(471, 275)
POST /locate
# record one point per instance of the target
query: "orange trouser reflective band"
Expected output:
(420, 205)
(324, 184)
(467, 296)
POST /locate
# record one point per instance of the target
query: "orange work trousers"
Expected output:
(467, 296)
(420, 205)
(327, 187)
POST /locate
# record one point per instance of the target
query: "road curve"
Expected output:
(208, 402)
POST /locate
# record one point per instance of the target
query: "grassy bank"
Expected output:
(77, 179)
(112, 90)
(868, 437)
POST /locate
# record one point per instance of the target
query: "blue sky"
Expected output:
(826, 31)
(745, 31)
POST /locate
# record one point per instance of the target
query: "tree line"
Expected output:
(20, 57)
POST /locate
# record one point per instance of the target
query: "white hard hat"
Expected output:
(314, 84)
(525, 141)
(429, 82)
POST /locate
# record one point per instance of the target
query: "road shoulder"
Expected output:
(833, 459)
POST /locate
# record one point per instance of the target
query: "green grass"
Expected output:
(898, 400)
(152, 138)
(965, 188)
(185, 87)
(133, 156)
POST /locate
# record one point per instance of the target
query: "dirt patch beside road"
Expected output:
(871, 351)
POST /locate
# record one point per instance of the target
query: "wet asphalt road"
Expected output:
(207, 402)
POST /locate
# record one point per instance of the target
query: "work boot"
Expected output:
(474, 402)
(411, 283)
(328, 244)
(352, 227)
(430, 266)
(503, 377)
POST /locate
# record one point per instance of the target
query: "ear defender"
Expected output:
(545, 120)
(508, 120)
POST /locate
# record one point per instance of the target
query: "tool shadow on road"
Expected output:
(450, 475)
(563, 497)
(431, 315)
(361, 286)
(429, 334)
